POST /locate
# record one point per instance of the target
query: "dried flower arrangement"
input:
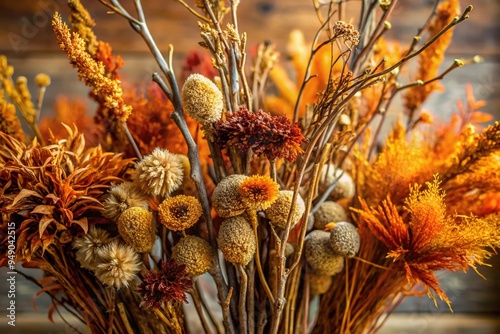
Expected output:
(281, 195)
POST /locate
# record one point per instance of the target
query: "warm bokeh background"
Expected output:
(26, 38)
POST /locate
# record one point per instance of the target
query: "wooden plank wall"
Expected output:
(26, 38)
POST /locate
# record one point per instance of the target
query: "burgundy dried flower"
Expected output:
(273, 136)
(168, 285)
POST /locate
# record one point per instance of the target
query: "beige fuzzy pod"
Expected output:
(345, 187)
(319, 284)
(226, 200)
(202, 99)
(344, 239)
(195, 253)
(320, 256)
(136, 227)
(278, 212)
(329, 212)
(237, 240)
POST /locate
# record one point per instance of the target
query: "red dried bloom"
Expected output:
(273, 136)
(168, 285)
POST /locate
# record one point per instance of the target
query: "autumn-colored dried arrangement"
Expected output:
(282, 191)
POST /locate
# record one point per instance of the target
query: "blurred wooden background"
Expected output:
(26, 38)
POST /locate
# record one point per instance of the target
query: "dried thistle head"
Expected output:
(320, 256)
(258, 192)
(278, 212)
(88, 247)
(226, 199)
(137, 229)
(202, 99)
(121, 197)
(195, 253)
(118, 265)
(237, 240)
(159, 173)
(180, 212)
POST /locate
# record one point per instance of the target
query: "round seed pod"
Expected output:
(202, 99)
(320, 256)
(136, 227)
(225, 199)
(328, 212)
(319, 284)
(195, 253)
(278, 211)
(344, 239)
(345, 187)
(179, 212)
(237, 240)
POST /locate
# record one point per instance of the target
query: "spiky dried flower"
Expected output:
(179, 212)
(54, 193)
(279, 210)
(88, 246)
(258, 192)
(237, 240)
(159, 173)
(202, 99)
(273, 136)
(118, 264)
(122, 197)
(225, 199)
(195, 253)
(137, 229)
(91, 72)
(170, 284)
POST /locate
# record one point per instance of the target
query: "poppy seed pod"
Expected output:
(344, 239)
(136, 227)
(195, 253)
(237, 240)
(320, 256)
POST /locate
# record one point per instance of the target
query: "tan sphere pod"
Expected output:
(329, 212)
(320, 256)
(225, 199)
(195, 253)
(237, 240)
(345, 187)
(277, 213)
(319, 284)
(344, 239)
(136, 227)
(202, 99)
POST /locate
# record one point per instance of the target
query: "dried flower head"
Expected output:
(279, 210)
(344, 239)
(42, 80)
(137, 229)
(237, 240)
(159, 173)
(319, 284)
(258, 192)
(347, 32)
(88, 246)
(344, 187)
(195, 253)
(122, 197)
(179, 212)
(226, 199)
(328, 212)
(202, 99)
(9, 122)
(320, 256)
(273, 136)
(168, 285)
(118, 264)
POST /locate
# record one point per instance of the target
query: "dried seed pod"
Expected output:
(226, 200)
(136, 227)
(320, 256)
(278, 211)
(180, 212)
(345, 186)
(328, 212)
(202, 99)
(122, 197)
(237, 240)
(195, 253)
(344, 239)
(319, 284)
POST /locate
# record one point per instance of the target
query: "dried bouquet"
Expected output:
(274, 181)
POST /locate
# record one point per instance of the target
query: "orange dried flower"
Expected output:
(258, 192)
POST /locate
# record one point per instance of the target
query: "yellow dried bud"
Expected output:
(237, 240)
(195, 253)
(179, 212)
(136, 227)
(42, 80)
(202, 99)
